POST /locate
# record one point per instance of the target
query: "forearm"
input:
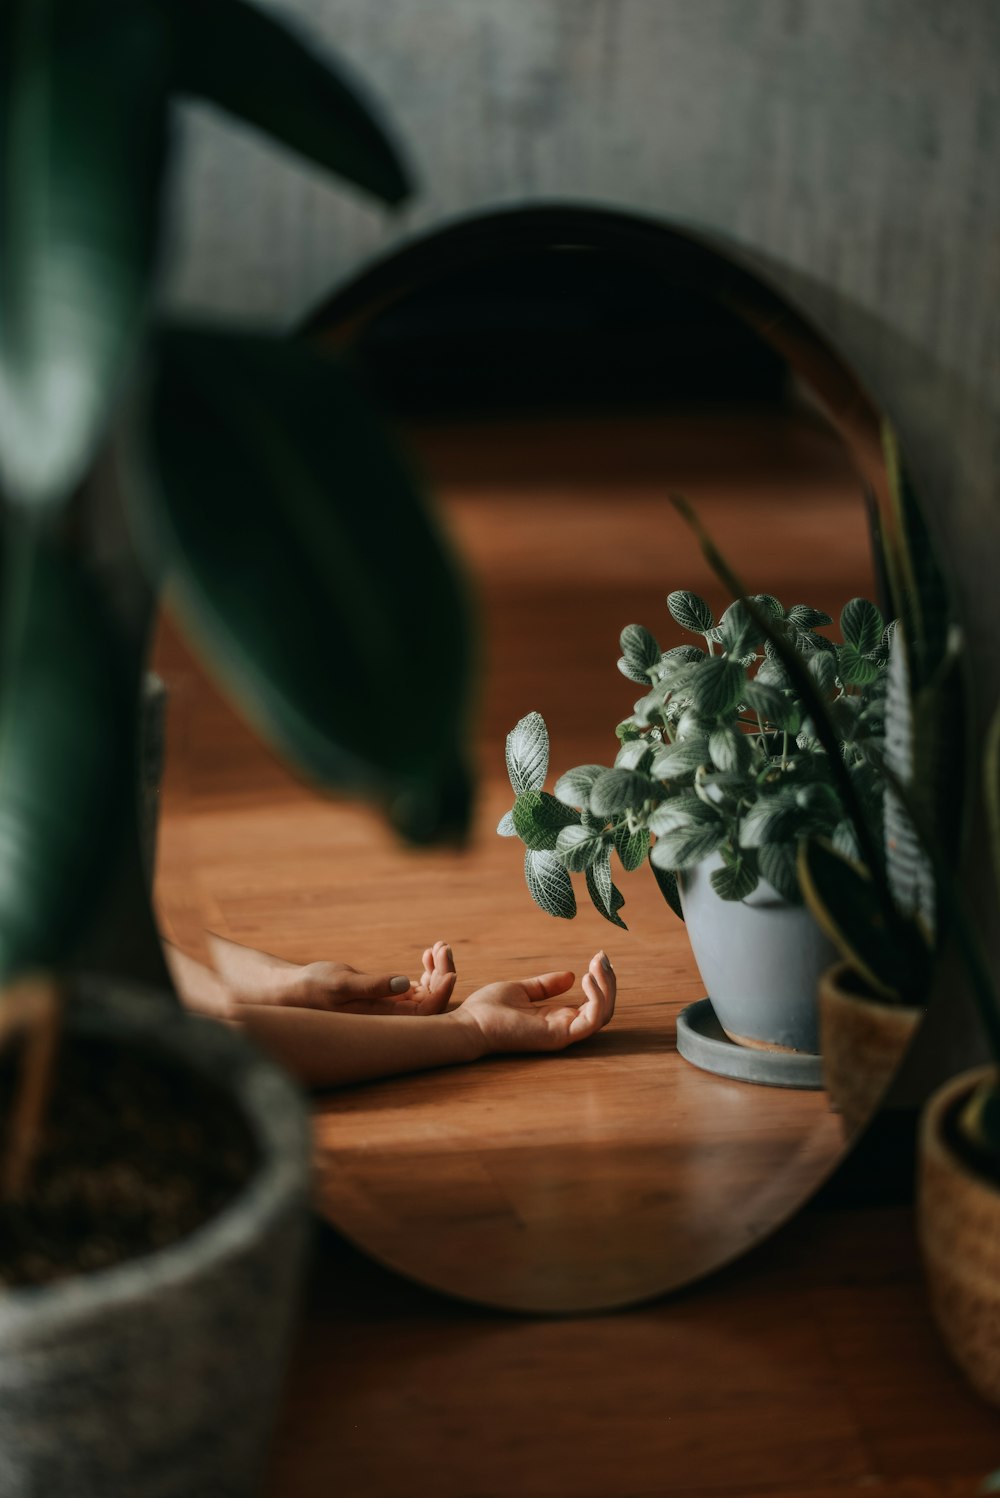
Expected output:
(335, 1050)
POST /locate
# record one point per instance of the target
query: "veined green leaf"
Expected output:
(254, 66)
(577, 847)
(549, 884)
(607, 900)
(804, 617)
(853, 668)
(861, 625)
(622, 790)
(715, 686)
(823, 670)
(735, 880)
(539, 818)
(66, 748)
(730, 749)
(640, 653)
(690, 612)
(527, 753)
(631, 847)
(505, 826)
(666, 882)
(776, 862)
(634, 755)
(83, 109)
(292, 532)
(687, 846)
(573, 788)
(680, 758)
(681, 811)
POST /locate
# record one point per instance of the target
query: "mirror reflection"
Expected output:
(557, 382)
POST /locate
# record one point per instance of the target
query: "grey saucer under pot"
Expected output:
(159, 1378)
(760, 960)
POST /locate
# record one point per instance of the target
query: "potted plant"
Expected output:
(153, 1169)
(886, 918)
(720, 775)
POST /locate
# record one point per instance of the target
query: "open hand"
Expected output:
(527, 1015)
(257, 978)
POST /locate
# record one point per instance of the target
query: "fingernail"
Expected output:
(399, 985)
(606, 963)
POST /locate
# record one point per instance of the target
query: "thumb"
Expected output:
(346, 983)
(548, 985)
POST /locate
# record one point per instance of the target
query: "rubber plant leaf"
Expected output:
(258, 69)
(65, 754)
(82, 131)
(308, 568)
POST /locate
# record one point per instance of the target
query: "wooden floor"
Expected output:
(617, 1171)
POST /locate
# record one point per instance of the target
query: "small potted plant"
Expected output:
(153, 1166)
(721, 773)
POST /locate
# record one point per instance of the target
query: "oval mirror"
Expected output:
(557, 375)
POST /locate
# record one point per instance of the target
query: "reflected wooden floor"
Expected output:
(615, 1171)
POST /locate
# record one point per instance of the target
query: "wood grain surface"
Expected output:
(615, 1171)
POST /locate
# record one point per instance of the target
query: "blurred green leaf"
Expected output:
(736, 879)
(305, 563)
(65, 741)
(573, 788)
(578, 846)
(619, 790)
(255, 67)
(82, 132)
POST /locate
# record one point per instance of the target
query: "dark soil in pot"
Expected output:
(136, 1153)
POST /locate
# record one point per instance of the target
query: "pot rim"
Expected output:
(270, 1103)
(831, 978)
(934, 1146)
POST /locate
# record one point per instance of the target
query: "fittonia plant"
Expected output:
(718, 757)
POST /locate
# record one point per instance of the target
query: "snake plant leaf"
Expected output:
(605, 897)
(666, 883)
(539, 818)
(776, 862)
(505, 826)
(861, 625)
(65, 747)
(911, 877)
(527, 752)
(690, 611)
(549, 884)
(640, 652)
(736, 879)
(574, 787)
(256, 68)
(991, 789)
(839, 894)
(83, 109)
(631, 847)
(919, 589)
(293, 533)
(578, 847)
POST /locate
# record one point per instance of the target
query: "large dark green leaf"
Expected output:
(82, 119)
(539, 818)
(64, 755)
(255, 67)
(309, 569)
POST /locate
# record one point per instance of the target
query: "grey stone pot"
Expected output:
(760, 960)
(158, 1378)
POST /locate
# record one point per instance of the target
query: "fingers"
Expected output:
(600, 988)
(548, 985)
